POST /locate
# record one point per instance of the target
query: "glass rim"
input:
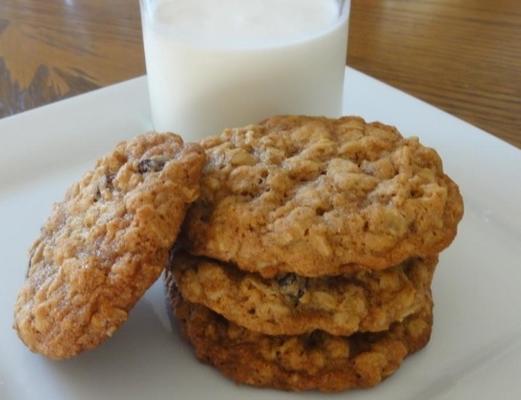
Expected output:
(343, 17)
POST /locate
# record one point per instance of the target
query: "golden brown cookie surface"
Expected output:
(317, 361)
(313, 196)
(106, 243)
(291, 305)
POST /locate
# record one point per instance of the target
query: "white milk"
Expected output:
(213, 64)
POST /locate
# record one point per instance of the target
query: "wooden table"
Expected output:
(463, 56)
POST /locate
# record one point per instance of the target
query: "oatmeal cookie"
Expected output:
(316, 361)
(314, 195)
(364, 300)
(106, 243)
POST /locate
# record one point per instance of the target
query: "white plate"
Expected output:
(475, 351)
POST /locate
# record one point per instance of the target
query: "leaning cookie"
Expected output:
(314, 195)
(364, 300)
(316, 361)
(105, 244)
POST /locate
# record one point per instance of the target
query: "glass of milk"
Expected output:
(213, 64)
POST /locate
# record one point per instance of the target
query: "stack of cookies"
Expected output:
(307, 261)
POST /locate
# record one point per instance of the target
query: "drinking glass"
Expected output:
(217, 64)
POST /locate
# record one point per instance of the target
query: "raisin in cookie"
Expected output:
(314, 195)
(364, 300)
(316, 361)
(106, 243)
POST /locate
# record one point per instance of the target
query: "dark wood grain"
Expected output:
(463, 56)
(53, 49)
